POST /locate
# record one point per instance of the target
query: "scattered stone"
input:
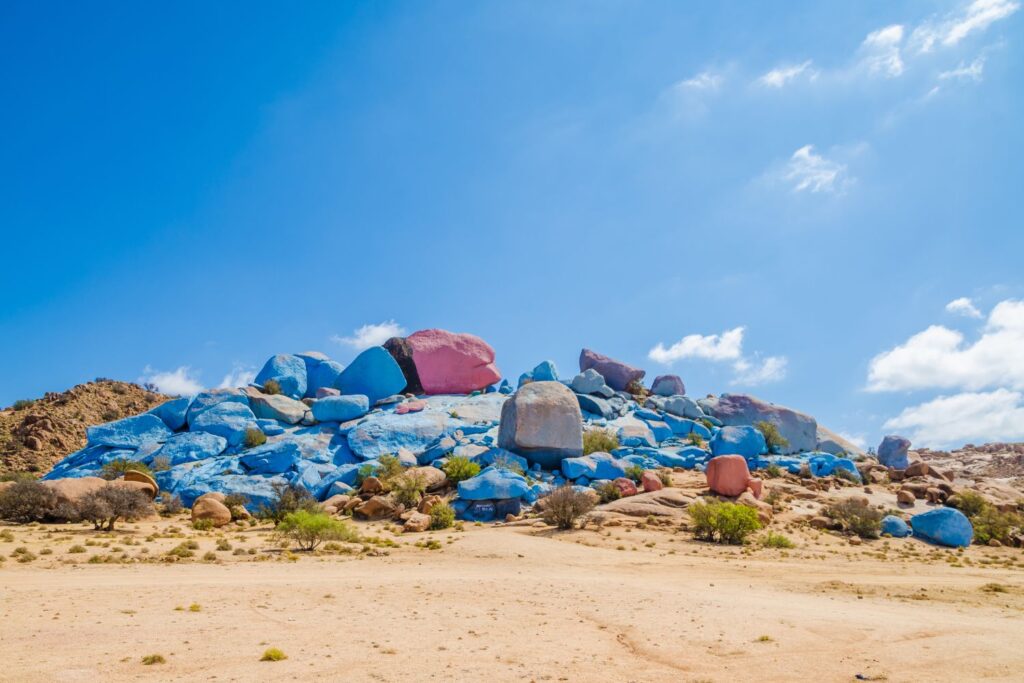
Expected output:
(416, 522)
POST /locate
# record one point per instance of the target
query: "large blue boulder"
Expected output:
(494, 483)
(131, 432)
(892, 452)
(173, 412)
(596, 405)
(341, 408)
(191, 446)
(205, 400)
(683, 426)
(324, 375)
(945, 526)
(545, 372)
(822, 464)
(593, 466)
(895, 527)
(384, 433)
(374, 373)
(271, 458)
(744, 440)
(683, 406)
(259, 490)
(288, 371)
(229, 419)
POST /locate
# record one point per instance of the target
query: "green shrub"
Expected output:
(408, 489)
(271, 386)
(442, 516)
(696, 439)
(389, 469)
(773, 540)
(310, 529)
(860, 520)
(608, 491)
(153, 659)
(509, 464)
(723, 522)
(288, 498)
(564, 505)
(459, 468)
(23, 403)
(116, 468)
(273, 655)
(665, 477)
(223, 545)
(707, 423)
(634, 472)
(991, 524)
(773, 471)
(254, 437)
(27, 501)
(845, 475)
(202, 524)
(599, 441)
(971, 503)
(774, 440)
(161, 463)
(76, 549)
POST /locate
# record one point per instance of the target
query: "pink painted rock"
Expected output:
(616, 374)
(728, 475)
(413, 406)
(626, 487)
(327, 391)
(650, 481)
(450, 363)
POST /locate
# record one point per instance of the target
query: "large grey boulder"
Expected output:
(542, 422)
(830, 442)
(742, 409)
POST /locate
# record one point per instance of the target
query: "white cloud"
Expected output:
(858, 440)
(939, 358)
(180, 382)
(971, 72)
(881, 51)
(705, 80)
(963, 306)
(757, 371)
(810, 171)
(239, 376)
(968, 417)
(950, 30)
(371, 335)
(727, 346)
(780, 76)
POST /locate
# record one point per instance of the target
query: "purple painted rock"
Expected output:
(800, 430)
(616, 374)
(668, 385)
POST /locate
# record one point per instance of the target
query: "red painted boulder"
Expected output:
(728, 475)
(651, 481)
(626, 487)
(450, 363)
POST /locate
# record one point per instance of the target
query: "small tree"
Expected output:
(723, 522)
(459, 468)
(408, 489)
(288, 498)
(772, 437)
(564, 505)
(104, 506)
(27, 500)
(599, 441)
(310, 529)
(442, 516)
(860, 520)
(116, 468)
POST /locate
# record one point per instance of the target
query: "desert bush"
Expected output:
(459, 468)
(723, 522)
(389, 469)
(17, 476)
(149, 660)
(254, 437)
(860, 520)
(774, 440)
(116, 468)
(236, 502)
(508, 463)
(23, 403)
(695, 439)
(665, 476)
(27, 501)
(310, 529)
(599, 441)
(408, 489)
(634, 472)
(608, 491)
(104, 506)
(170, 505)
(565, 505)
(773, 471)
(161, 463)
(991, 524)
(442, 516)
(288, 498)
(638, 390)
(202, 524)
(271, 386)
(971, 503)
(774, 540)
(845, 475)
(273, 655)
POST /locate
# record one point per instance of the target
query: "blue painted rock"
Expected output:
(341, 408)
(323, 376)
(668, 385)
(745, 441)
(892, 452)
(593, 466)
(191, 446)
(131, 432)
(173, 412)
(205, 400)
(682, 426)
(542, 421)
(229, 419)
(381, 434)
(683, 406)
(271, 458)
(800, 430)
(617, 375)
(545, 372)
(493, 483)
(895, 527)
(596, 405)
(373, 373)
(589, 381)
(945, 526)
(288, 371)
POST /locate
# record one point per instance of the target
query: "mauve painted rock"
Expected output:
(668, 385)
(728, 475)
(616, 374)
(800, 430)
(650, 481)
(626, 486)
(450, 363)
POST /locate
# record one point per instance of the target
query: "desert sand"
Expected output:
(636, 602)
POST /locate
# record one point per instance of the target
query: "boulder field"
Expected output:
(310, 421)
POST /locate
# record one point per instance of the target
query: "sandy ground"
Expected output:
(513, 603)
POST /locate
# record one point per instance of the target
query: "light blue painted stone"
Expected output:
(341, 408)
(258, 490)
(205, 400)
(644, 461)
(683, 406)
(524, 379)
(742, 440)
(660, 430)
(311, 359)
(494, 483)
(287, 370)
(373, 373)
(192, 446)
(323, 375)
(491, 455)
(545, 372)
(589, 381)
(228, 419)
(892, 452)
(945, 526)
(505, 387)
(596, 406)
(682, 426)
(670, 459)
(173, 412)
(271, 458)
(384, 433)
(131, 432)
(895, 527)
(647, 414)
(270, 427)
(593, 466)
(822, 464)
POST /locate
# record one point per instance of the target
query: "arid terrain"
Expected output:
(628, 600)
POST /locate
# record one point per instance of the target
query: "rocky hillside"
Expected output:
(34, 437)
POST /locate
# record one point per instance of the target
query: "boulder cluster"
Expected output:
(309, 421)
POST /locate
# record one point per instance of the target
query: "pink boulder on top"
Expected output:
(450, 363)
(728, 475)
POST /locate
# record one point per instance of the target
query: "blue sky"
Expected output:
(788, 200)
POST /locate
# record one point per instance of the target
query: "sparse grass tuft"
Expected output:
(599, 441)
(273, 655)
(149, 660)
